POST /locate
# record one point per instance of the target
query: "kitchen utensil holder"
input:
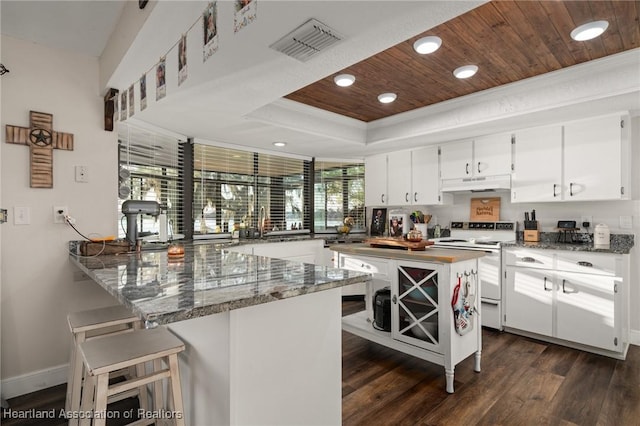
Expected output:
(531, 231)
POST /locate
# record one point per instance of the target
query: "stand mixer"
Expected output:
(131, 209)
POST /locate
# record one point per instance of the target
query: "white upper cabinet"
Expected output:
(425, 170)
(537, 165)
(399, 178)
(375, 180)
(492, 155)
(484, 156)
(584, 160)
(456, 160)
(404, 178)
(594, 163)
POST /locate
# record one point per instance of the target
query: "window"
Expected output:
(150, 169)
(338, 193)
(235, 189)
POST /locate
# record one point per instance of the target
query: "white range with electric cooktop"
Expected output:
(487, 237)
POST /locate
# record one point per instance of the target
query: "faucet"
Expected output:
(262, 216)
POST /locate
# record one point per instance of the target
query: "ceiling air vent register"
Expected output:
(307, 40)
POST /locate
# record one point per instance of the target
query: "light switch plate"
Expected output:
(21, 215)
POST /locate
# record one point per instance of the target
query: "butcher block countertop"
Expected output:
(430, 254)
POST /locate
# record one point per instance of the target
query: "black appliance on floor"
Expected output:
(382, 309)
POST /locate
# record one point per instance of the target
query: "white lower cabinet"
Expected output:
(529, 300)
(416, 306)
(577, 298)
(422, 319)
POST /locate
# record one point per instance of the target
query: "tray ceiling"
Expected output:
(508, 40)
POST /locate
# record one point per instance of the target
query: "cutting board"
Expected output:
(486, 209)
(398, 243)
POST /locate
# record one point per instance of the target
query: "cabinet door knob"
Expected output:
(415, 196)
(587, 264)
(563, 282)
(554, 190)
(478, 167)
(466, 169)
(528, 259)
(545, 285)
(571, 189)
(394, 299)
(406, 197)
(382, 198)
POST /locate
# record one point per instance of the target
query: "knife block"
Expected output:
(531, 231)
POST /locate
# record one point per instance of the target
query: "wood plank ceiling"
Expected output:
(507, 40)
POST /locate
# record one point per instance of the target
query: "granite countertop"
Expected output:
(619, 243)
(208, 280)
(430, 254)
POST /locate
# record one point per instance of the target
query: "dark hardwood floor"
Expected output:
(523, 382)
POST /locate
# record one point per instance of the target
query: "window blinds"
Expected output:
(150, 167)
(232, 187)
(338, 193)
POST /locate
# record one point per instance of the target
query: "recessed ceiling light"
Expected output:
(344, 80)
(280, 144)
(427, 45)
(589, 30)
(465, 71)
(386, 98)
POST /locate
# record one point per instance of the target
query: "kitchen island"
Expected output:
(262, 335)
(433, 298)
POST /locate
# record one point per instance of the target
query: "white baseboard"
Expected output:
(38, 380)
(634, 337)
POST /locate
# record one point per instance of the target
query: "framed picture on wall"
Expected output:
(378, 221)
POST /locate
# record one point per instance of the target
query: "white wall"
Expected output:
(38, 286)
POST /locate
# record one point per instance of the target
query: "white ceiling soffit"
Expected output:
(306, 41)
(216, 101)
(592, 88)
(62, 24)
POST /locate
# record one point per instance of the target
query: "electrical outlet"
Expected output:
(626, 222)
(59, 213)
(586, 219)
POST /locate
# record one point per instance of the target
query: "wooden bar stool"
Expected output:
(105, 355)
(97, 323)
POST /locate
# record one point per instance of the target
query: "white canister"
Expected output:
(422, 227)
(601, 237)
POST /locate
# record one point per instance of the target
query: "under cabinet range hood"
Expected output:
(477, 184)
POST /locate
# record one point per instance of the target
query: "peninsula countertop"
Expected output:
(207, 280)
(430, 254)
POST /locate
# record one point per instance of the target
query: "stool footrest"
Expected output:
(124, 395)
(142, 422)
(138, 381)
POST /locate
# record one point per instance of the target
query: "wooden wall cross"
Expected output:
(42, 140)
